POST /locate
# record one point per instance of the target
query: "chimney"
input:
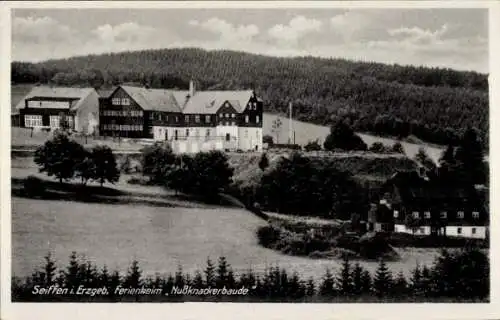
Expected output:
(191, 88)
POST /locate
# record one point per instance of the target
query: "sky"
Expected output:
(450, 38)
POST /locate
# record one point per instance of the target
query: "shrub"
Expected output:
(33, 186)
(156, 161)
(312, 146)
(343, 137)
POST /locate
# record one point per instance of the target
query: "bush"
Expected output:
(312, 146)
(156, 161)
(343, 137)
(33, 186)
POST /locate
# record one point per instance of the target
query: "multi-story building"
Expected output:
(190, 120)
(411, 203)
(45, 107)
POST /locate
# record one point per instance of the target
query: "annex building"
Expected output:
(46, 107)
(190, 120)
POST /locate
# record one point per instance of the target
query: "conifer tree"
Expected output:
(222, 272)
(357, 279)
(133, 277)
(198, 282)
(210, 276)
(179, 281)
(104, 276)
(50, 269)
(366, 282)
(382, 282)
(344, 280)
(72, 271)
(400, 287)
(310, 287)
(327, 285)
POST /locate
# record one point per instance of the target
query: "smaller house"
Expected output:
(48, 107)
(413, 203)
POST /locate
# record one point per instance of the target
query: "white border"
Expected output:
(230, 310)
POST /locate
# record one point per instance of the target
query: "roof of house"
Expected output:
(78, 94)
(156, 99)
(209, 102)
(105, 93)
(415, 190)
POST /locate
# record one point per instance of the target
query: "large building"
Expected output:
(190, 120)
(412, 203)
(46, 107)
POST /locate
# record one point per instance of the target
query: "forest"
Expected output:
(435, 105)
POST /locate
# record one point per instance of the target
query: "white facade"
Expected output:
(476, 232)
(250, 138)
(48, 104)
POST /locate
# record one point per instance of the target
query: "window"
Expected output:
(473, 230)
(396, 213)
(475, 215)
(254, 105)
(226, 115)
(186, 118)
(197, 118)
(116, 101)
(151, 115)
(422, 230)
(233, 123)
(32, 121)
(459, 230)
(159, 116)
(140, 113)
(125, 101)
(233, 115)
(427, 214)
(196, 133)
(257, 119)
(247, 118)
(150, 130)
(415, 214)
(246, 133)
(187, 132)
(460, 214)
(208, 133)
(443, 214)
(207, 118)
(55, 121)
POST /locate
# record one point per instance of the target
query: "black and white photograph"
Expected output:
(250, 155)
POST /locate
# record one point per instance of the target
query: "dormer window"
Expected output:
(460, 215)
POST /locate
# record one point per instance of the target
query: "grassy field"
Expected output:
(160, 237)
(305, 132)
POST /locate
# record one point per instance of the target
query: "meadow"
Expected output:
(160, 237)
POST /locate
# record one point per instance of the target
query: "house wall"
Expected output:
(250, 138)
(466, 231)
(105, 120)
(87, 114)
(423, 230)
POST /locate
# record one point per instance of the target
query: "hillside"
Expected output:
(434, 105)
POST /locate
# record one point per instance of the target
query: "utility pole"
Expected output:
(290, 126)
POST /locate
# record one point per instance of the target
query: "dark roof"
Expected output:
(415, 190)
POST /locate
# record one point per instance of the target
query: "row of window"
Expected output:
(120, 102)
(443, 214)
(31, 121)
(123, 127)
(252, 106)
(122, 113)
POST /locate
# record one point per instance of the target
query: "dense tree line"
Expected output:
(431, 104)
(295, 183)
(459, 276)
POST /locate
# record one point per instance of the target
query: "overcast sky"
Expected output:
(455, 38)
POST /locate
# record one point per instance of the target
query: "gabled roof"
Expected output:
(156, 99)
(105, 93)
(78, 94)
(208, 102)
